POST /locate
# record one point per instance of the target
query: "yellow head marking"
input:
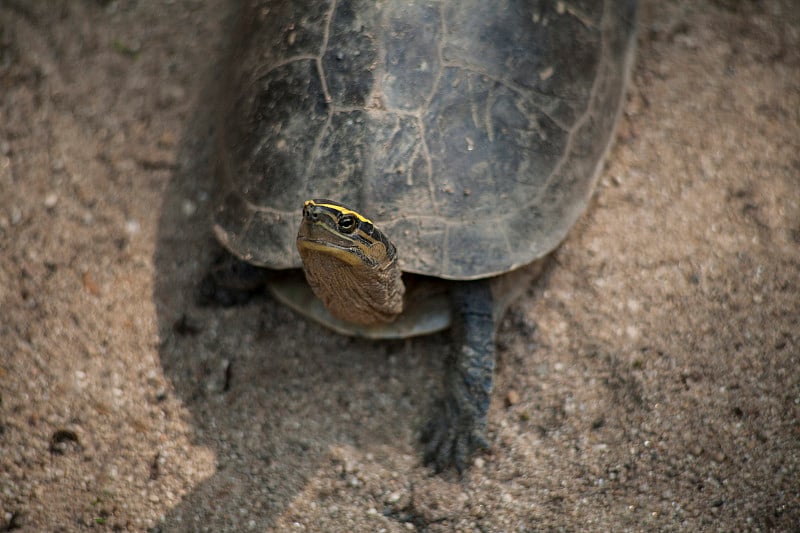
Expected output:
(338, 208)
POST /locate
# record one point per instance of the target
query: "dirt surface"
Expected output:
(649, 381)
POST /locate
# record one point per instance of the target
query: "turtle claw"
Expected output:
(452, 437)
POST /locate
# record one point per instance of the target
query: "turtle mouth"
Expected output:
(322, 243)
(351, 255)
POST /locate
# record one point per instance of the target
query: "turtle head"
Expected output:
(331, 228)
(349, 263)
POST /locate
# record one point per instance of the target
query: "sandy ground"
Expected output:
(649, 381)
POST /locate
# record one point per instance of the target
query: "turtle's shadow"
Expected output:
(268, 392)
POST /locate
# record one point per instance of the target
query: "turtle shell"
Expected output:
(470, 132)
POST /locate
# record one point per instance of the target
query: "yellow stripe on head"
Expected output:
(338, 208)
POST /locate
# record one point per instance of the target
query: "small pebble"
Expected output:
(512, 398)
(132, 226)
(50, 200)
(90, 284)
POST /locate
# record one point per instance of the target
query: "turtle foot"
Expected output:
(230, 282)
(452, 436)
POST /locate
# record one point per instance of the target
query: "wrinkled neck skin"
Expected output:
(357, 284)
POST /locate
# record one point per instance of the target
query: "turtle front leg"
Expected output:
(458, 427)
(231, 281)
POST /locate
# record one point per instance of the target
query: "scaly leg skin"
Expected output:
(458, 427)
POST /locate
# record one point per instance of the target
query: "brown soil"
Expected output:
(649, 381)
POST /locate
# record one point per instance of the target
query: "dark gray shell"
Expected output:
(470, 131)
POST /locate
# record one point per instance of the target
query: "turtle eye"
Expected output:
(347, 223)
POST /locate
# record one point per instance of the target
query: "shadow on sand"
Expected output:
(269, 393)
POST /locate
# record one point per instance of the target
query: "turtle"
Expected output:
(392, 168)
